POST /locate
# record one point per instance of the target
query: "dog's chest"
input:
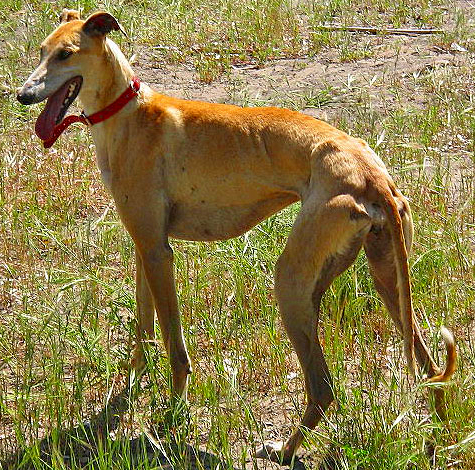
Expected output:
(102, 162)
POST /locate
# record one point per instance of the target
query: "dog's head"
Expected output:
(68, 55)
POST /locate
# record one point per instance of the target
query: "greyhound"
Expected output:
(198, 171)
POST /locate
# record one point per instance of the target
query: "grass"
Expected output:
(67, 266)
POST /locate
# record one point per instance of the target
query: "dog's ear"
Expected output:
(68, 15)
(101, 23)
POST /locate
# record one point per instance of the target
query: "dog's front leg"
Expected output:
(157, 265)
(146, 221)
(145, 330)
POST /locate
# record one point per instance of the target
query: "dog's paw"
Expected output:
(137, 363)
(273, 451)
(138, 360)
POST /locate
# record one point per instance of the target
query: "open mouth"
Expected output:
(56, 107)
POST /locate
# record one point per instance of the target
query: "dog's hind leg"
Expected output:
(324, 241)
(379, 250)
(378, 247)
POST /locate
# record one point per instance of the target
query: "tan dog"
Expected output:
(199, 171)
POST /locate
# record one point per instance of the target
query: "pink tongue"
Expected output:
(47, 119)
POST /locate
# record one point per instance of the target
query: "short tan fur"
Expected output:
(199, 171)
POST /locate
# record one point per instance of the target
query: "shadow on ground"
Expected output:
(134, 453)
(89, 445)
(85, 445)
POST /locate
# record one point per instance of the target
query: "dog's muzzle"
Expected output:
(26, 96)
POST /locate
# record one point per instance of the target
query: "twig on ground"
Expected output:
(377, 29)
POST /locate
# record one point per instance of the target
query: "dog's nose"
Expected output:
(25, 96)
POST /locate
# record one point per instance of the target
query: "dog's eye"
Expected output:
(64, 54)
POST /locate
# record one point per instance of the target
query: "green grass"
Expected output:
(67, 266)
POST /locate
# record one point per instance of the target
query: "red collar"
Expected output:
(102, 115)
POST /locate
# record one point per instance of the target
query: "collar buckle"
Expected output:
(85, 119)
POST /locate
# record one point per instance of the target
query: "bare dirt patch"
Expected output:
(289, 81)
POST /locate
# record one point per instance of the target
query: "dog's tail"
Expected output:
(390, 208)
(451, 357)
(402, 270)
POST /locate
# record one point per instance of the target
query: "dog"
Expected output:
(198, 171)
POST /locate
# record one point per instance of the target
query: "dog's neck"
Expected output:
(108, 82)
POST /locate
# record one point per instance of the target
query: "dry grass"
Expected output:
(66, 264)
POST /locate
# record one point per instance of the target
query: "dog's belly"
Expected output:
(208, 221)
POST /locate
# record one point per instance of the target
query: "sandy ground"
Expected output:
(395, 59)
